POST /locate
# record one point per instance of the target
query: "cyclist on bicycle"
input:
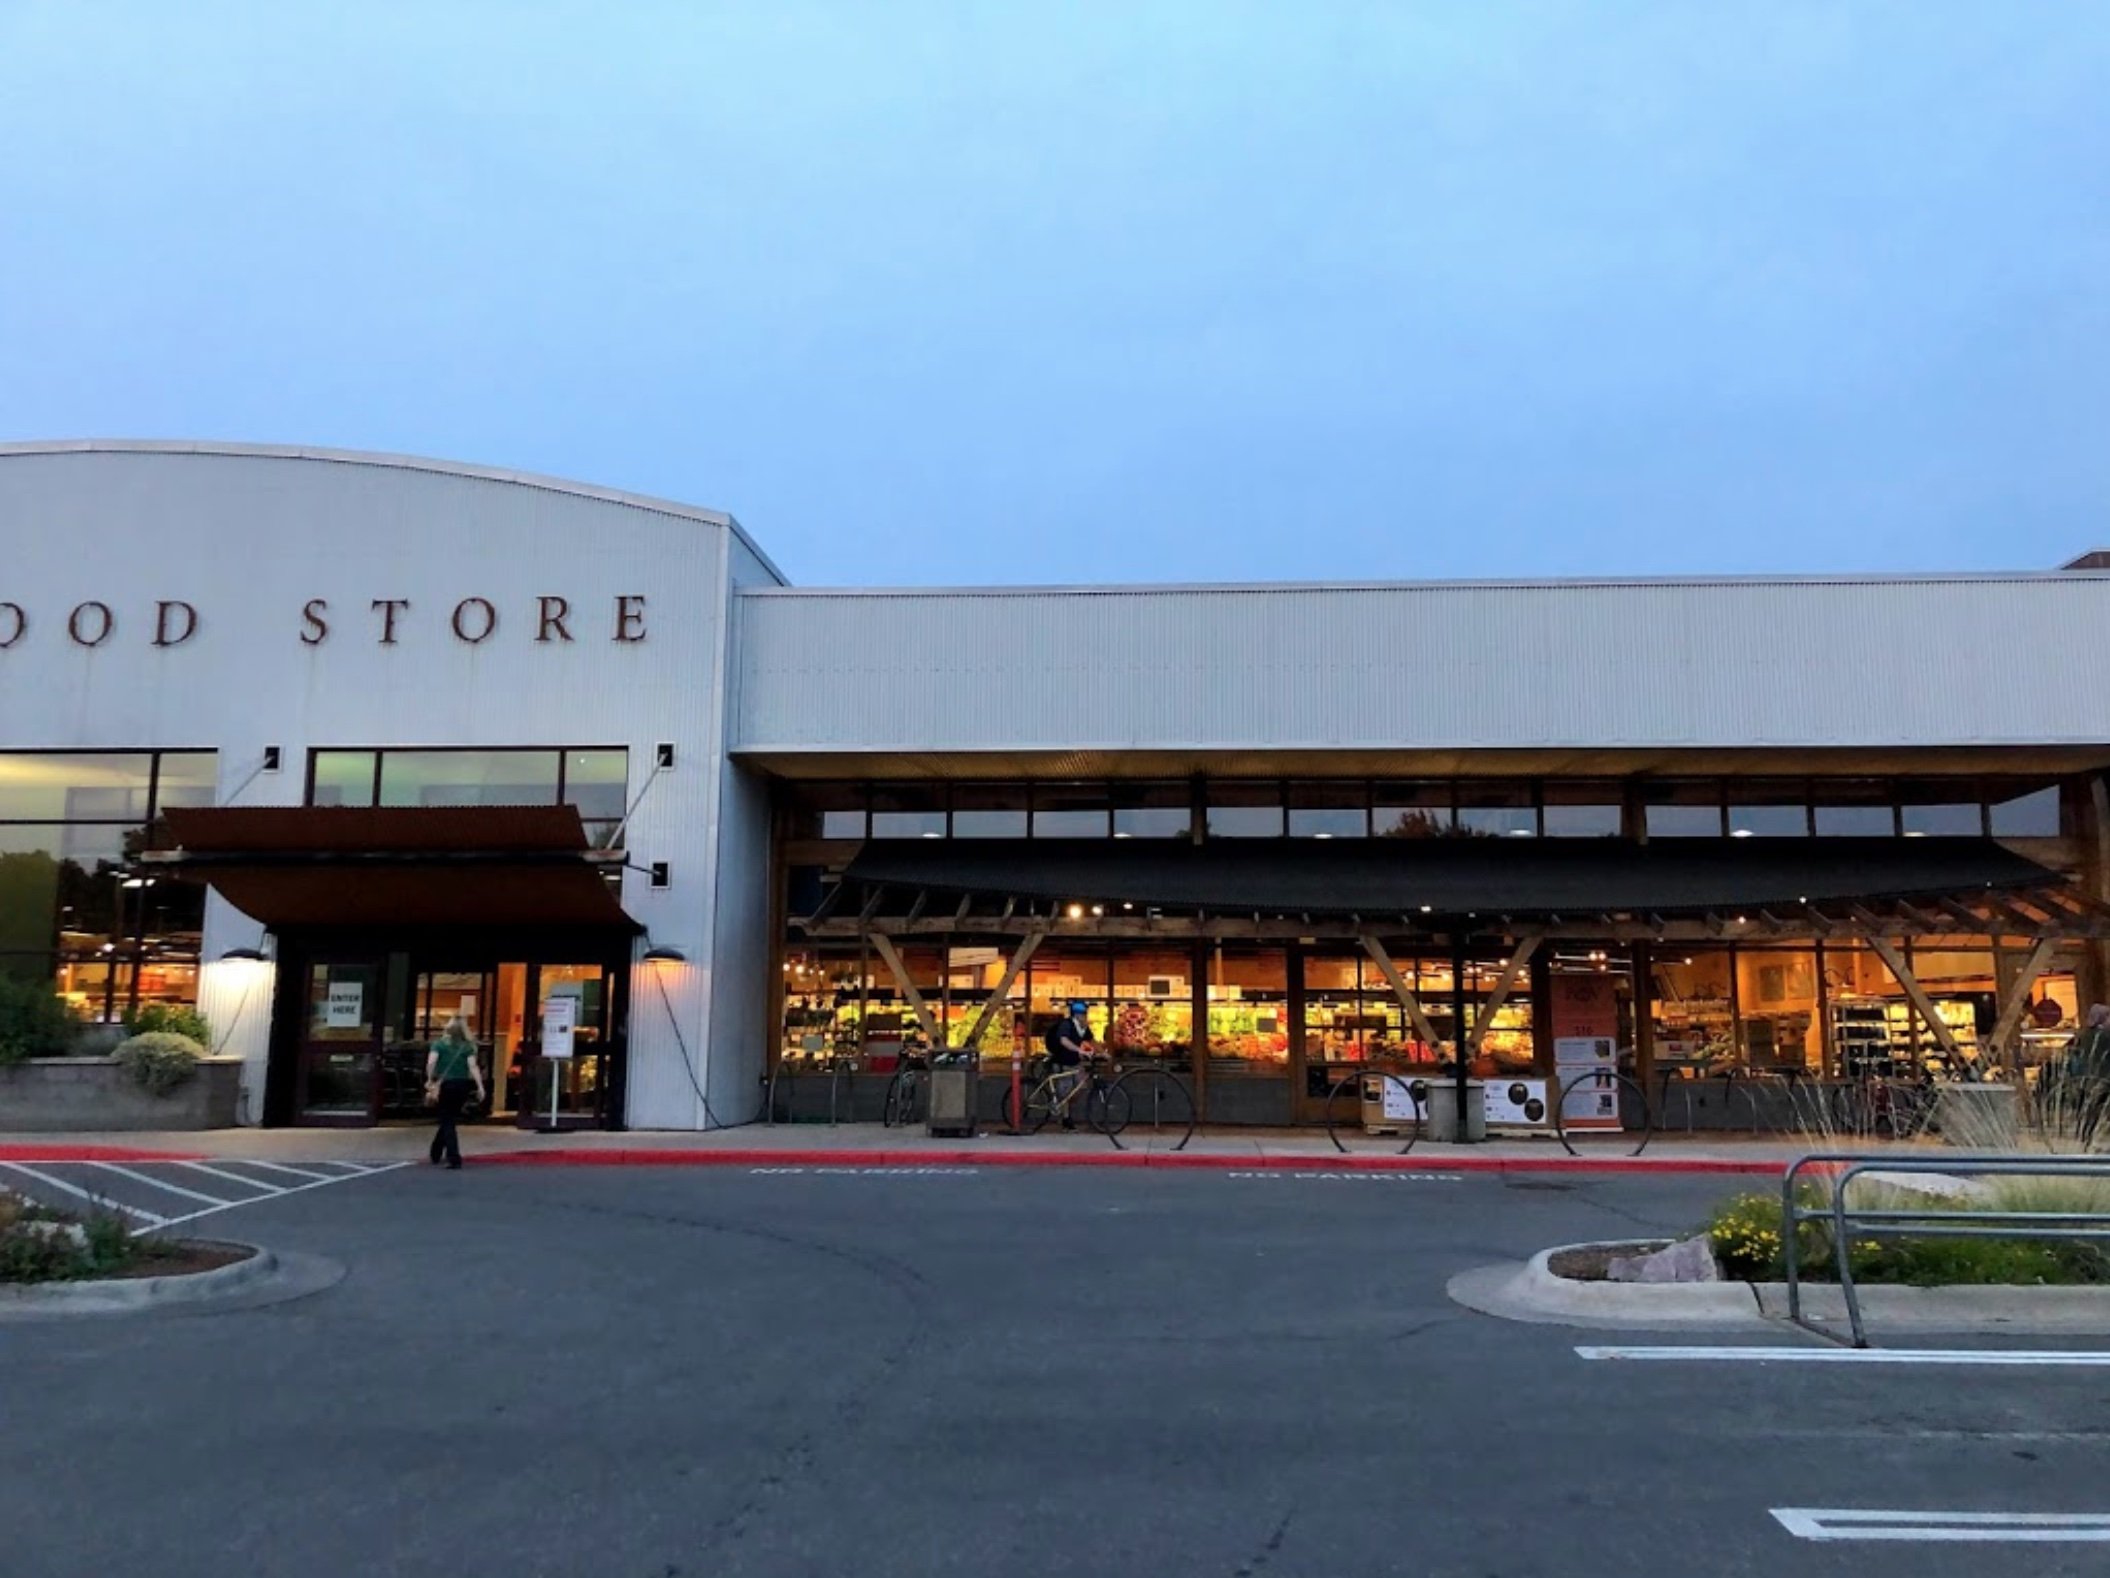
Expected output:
(1069, 1043)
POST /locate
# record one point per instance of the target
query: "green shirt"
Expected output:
(453, 1059)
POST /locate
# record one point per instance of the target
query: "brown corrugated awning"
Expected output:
(524, 865)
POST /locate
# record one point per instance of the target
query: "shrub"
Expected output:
(159, 1060)
(176, 1019)
(38, 1245)
(34, 1022)
(1747, 1234)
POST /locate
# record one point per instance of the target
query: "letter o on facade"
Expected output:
(474, 620)
(14, 624)
(90, 624)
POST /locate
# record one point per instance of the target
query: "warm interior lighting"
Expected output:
(1076, 912)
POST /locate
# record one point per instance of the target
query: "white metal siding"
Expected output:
(249, 538)
(1964, 661)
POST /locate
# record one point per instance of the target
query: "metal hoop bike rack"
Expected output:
(1416, 1088)
(1602, 1079)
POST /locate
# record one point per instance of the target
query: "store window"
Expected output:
(1494, 810)
(1412, 810)
(825, 811)
(1682, 809)
(1853, 808)
(1762, 808)
(1245, 810)
(989, 810)
(1152, 1016)
(1582, 810)
(75, 908)
(596, 781)
(972, 974)
(1693, 1005)
(1777, 1013)
(1248, 1000)
(908, 811)
(1071, 811)
(2014, 811)
(1321, 810)
(483, 778)
(1061, 976)
(1940, 808)
(1153, 810)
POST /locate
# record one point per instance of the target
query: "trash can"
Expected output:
(1979, 1117)
(1442, 1122)
(954, 1082)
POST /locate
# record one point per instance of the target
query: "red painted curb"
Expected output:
(849, 1159)
(92, 1153)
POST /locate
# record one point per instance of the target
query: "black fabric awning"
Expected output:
(396, 866)
(1485, 877)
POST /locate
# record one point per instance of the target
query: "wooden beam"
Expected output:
(1519, 961)
(826, 907)
(1404, 992)
(884, 945)
(960, 914)
(915, 910)
(2010, 1019)
(1019, 958)
(1886, 950)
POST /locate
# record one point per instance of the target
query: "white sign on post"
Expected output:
(560, 1015)
(345, 1006)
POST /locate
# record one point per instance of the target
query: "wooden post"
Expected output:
(1407, 1000)
(917, 1006)
(1012, 971)
(1887, 951)
(1485, 1019)
(2010, 1019)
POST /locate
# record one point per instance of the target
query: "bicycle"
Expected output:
(908, 1091)
(1106, 1104)
(1898, 1108)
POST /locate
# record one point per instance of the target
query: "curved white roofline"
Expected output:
(361, 457)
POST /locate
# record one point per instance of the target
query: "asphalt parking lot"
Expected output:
(653, 1372)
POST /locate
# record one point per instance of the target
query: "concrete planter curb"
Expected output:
(126, 1295)
(1531, 1292)
(61, 1095)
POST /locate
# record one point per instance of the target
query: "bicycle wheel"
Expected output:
(1041, 1105)
(902, 1091)
(1108, 1108)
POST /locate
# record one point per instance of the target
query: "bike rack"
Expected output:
(1158, 1077)
(1599, 1078)
(1955, 1222)
(1405, 1082)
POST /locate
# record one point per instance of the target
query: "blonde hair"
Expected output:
(457, 1030)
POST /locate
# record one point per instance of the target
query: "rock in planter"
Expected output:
(1691, 1260)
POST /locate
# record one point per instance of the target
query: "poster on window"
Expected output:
(560, 1015)
(345, 1006)
(1516, 1104)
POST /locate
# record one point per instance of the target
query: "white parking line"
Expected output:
(2013, 1357)
(241, 1178)
(157, 1183)
(281, 1167)
(2024, 1528)
(100, 1202)
(229, 1205)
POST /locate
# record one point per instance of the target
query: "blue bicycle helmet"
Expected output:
(1077, 1008)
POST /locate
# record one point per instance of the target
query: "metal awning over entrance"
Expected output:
(397, 866)
(1607, 888)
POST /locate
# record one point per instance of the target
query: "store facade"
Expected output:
(337, 747)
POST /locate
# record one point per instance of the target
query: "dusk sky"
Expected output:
(1020, 292)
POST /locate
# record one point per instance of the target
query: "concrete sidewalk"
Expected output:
(870, 1145)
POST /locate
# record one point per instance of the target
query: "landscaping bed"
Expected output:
(39, 1246)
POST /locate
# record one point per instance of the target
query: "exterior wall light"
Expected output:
(245, 956)
(1076, 912)
(665, 953)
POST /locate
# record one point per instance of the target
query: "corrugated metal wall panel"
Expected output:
(1988, 661)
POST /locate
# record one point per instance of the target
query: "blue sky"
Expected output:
(943, 293)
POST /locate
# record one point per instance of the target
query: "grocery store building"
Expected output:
(336, 746)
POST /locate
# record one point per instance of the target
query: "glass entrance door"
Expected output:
(580, 1082)
(340, 1051)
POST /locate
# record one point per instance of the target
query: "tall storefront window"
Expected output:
(74, 909)
(1694, 1005)
(595, 779)
(1153, 1007)
(1777, 1009)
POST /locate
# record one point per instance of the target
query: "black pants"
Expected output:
(447, 1142)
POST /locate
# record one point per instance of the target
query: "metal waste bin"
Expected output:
(1443, 1111)
(954, 1083)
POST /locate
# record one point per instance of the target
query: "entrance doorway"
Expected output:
(350, 1037)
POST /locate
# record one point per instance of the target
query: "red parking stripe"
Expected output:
(94, 1153)
(1417, 1163)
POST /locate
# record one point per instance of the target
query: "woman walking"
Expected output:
(452, 1074)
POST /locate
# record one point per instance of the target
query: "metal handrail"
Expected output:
(1952, 1222)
